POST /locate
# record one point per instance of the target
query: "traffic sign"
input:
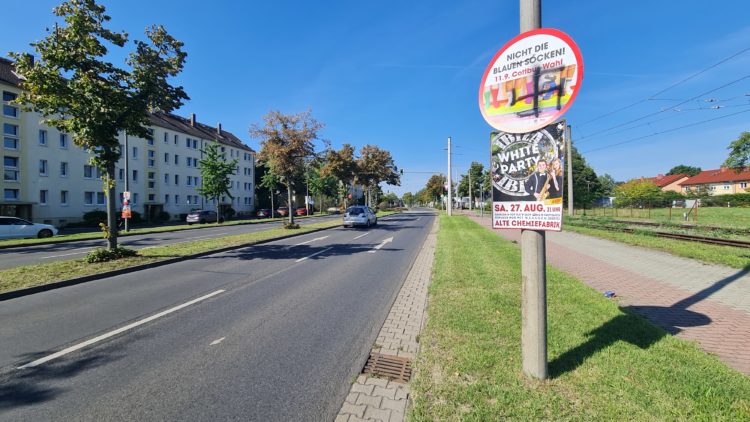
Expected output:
(126, 196)
(531, 81)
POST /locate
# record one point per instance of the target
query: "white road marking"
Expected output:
(361, 235)
(117, 331)
(217, 341)
(67, 254)
(383, 243)
(316, 253)
(311, 240)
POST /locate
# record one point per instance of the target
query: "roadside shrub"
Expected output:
(104, 255)
(163, 216)
(291, 226)
(229, 213)
(93, 218)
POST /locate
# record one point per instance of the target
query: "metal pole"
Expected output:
(127, 184)
(449, 205)
(569, 143)
(533, 261)
(471, 187)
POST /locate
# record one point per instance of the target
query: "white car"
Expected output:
(359, 215)
(13, 228)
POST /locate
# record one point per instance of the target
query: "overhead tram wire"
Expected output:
(665, 131)
(666, 89)
(662, 111)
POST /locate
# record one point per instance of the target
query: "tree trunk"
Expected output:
(218, 210)
(272, 210)
(289, 197)
(111, 208)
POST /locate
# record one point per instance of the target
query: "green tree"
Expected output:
(435, 188)
(471, 181)
(215, 172)
(286, 147)
(586, 187)
(269, 182)
(408, 199)
(320, 184)
(80, 93)
(607, 185)
(376, 165)
(637, 192)
(683, 169)
(343, 167)
(739, 152)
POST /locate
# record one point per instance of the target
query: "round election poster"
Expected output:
(531, 81)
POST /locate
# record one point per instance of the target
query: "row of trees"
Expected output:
(289, 160)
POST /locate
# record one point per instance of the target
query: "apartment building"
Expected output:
(718, 182)
(46, 178)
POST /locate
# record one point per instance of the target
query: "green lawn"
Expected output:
(605, 364)
(710, 216)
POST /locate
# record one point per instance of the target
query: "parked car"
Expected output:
(264, 213)
(282, 211)
(202, 217)
(360, 215)
(300, 211)
(14, 228)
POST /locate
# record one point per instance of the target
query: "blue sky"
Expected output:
(405, 75)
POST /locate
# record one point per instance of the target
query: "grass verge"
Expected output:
(714, 254)
(605, 364)
(41, 274)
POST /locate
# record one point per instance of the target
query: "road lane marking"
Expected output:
(117, 331)
(67, 254)
(383, 243)
(217, 341)
(316, 253)
(311, 240)
(361, 235)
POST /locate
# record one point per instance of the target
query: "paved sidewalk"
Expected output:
(376, 399)
(707, 303)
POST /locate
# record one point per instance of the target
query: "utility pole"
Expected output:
(569, 143)
(533, 261)
(449, 205)
(471, 187)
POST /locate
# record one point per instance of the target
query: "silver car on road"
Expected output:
(360, 215)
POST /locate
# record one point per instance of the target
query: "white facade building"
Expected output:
(46, 178)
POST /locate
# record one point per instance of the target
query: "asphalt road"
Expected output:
(38, 254)
(272, 332)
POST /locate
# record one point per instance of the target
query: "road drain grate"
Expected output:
(392, 367)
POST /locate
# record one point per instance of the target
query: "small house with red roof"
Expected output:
(670, 182)
(718, 182)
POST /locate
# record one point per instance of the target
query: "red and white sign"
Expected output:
(531, 81)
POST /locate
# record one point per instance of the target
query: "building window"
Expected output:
(150, 136)
(10, 194)
(166, 178)
(88, 171)
(42, 167)
(121, 174)
(175, 139)
(177, 199)
(10, 169)
(63, 141)
(63, 169)
(135, 153)
(166, 158)
(88, 198)
(151, 184)
(43, 197)
(151, 197)
(100, 198)
(134, 198)
(9, 129)
(743, 185)
(10, 143)
(190, 181)
(166, 137)
(135, 175)
(63, 197)
(166, 199)
(176, 159)
(9, 96)
(195, 144)
(42, 137)
(177, 180)
(151, 158)
(10, 111)
(727, 187)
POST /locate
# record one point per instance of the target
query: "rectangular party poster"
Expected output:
(527, 178)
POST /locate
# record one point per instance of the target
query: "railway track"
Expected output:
(686, 237)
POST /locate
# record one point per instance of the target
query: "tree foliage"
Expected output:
(683, 169)
(739, 152)
(342, 166)
(376, 165)
(408, 198)
(607, 185)
(286, 146)
(637, 192)
(215, 172)
(435, 187)
(586, 186)
(472, 180)
(79, 92)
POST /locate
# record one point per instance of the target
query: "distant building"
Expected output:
(669, 182)
(718, 182)
(46, 178)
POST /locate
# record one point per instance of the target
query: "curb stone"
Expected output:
(376, 399)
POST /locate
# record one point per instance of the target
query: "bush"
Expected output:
(104, 255)
(229, 213)
(163, 216)
(93, 218)
(292, 226)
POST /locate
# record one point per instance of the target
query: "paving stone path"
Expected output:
(707, 303)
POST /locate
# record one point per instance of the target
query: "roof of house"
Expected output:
(662, 180)
(718, 176)
(161, 119)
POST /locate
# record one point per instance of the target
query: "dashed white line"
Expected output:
(316, 253)
(217, 341)
(117, 331)
(361, 235)
(311, 240)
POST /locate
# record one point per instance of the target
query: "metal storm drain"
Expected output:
(392, 367)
